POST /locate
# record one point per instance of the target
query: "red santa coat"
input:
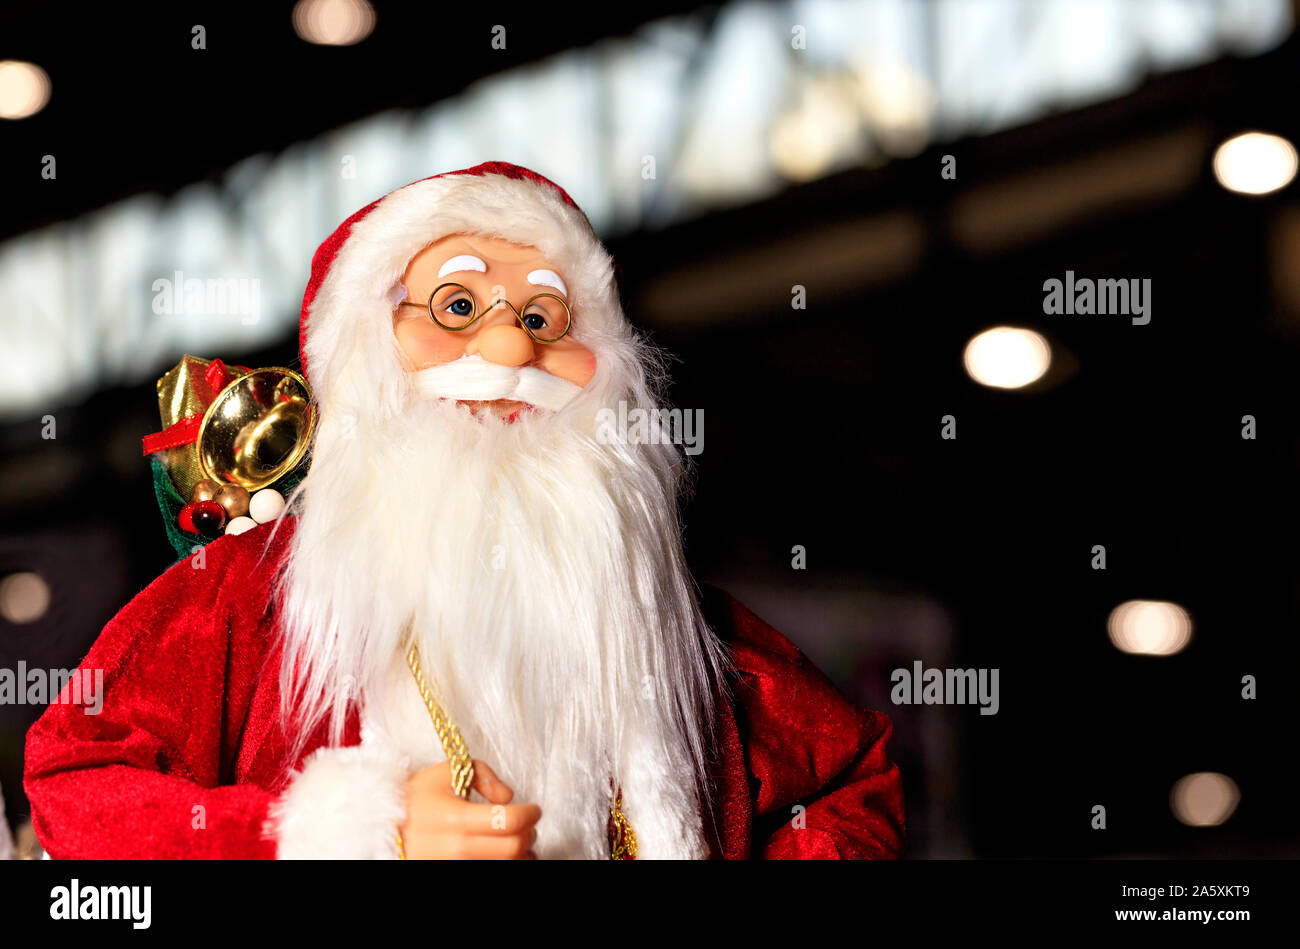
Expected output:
(187, 758)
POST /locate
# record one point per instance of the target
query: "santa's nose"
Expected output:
(504, 345)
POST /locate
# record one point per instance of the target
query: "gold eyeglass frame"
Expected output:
(568, 314)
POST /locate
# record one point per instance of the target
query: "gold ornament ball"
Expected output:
(205, 490)
(233, 498)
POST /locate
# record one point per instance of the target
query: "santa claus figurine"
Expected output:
(473, 633)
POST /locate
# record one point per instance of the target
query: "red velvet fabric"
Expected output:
(804, 774)
(188, 752)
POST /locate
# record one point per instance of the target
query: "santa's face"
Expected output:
(492, 270)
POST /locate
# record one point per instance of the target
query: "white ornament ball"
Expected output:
(238, 525)
(266, 505)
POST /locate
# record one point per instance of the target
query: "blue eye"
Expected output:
(461, 307)
(535, 321)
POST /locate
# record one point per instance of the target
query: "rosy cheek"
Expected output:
(575, 363)
(427, 345)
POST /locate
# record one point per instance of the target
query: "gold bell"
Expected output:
(257, 429)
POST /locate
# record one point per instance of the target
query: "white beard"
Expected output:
(544, 575)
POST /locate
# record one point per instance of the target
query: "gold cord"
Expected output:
(453, 746)
(622, 838)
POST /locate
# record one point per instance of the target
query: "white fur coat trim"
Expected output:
(346, 803)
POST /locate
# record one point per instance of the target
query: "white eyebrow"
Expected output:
(462, 262)
(548, 278)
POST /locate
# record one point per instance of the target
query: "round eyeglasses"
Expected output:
(545, 317)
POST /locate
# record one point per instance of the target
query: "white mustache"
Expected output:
(473, 378)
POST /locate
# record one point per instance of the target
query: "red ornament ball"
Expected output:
(208, 517)
(185, 519)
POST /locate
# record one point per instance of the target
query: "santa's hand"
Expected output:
(441, 826)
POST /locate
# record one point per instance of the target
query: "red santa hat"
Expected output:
(355, 270)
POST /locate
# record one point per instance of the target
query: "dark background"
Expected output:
(823, 426)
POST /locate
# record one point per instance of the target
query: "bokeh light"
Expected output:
(24, 597)
(1255, 163)
(333, 22)
(1204, 799)
(24, 89)
(807, 141)
(1149, 627)
(1007, 357)
(899, 103)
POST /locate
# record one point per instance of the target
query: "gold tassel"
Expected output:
(622, 838)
